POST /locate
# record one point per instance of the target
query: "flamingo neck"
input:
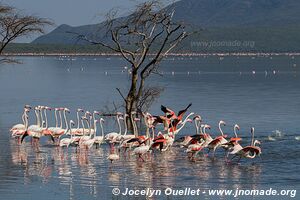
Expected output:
(197, 127)
(118, 121)
(23, 117)
(60, 116)
(83, 127)
(45, 113)
(133, 124)
(77, 119)
(26, 123)
(95, 127)
(221, 129)
(102, 131)
(56, 122)
(201, 132)
(65, 118)
(125, 125)
(252, 140)
(42, 119)
(147, 125)
(37, 118)
(184, 122)
(71, 132)
(234, 130)
(90, 131)
(93, 119)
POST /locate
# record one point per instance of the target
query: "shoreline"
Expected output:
(170, 54)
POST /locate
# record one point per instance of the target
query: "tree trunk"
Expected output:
(131, 100)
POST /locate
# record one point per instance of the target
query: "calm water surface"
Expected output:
(219, 89)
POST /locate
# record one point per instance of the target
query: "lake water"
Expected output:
(219, 88)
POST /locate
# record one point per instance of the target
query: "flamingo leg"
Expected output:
(140, 156)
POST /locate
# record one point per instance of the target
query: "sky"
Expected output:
(71, 12)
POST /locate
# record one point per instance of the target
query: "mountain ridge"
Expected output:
(275, 16)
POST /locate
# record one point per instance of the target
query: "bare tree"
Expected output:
(143, 39)
(14, 25)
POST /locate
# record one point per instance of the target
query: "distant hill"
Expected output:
(273, 25)
(236, 13)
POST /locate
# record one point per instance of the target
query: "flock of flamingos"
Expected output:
(85, 134)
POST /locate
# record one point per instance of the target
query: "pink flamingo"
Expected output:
(233, 145)
(250, 151)
(218, 141)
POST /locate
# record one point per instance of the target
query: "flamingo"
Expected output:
(170, 115)
(186, 140)
(88, 141)
(142, 149)
(21, 126)
(56, 121)
(113, 157)
(78, 130)
(166, 141)
(199, 142)
(67, 141)
(233, 146)
(17, 133)
(125, 136)
(218, 141)
(149, 121)
(35, 131)
(110, 136)
(249, 151)
(60, 131)
(46, 130)
(174, 130)
(99, 139)
(129, 141)
(133, 142)
(76, 138)
(91, 118)
(134, 120)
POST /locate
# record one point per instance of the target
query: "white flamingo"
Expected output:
(126, 136)
(111, 136)
(59, 132)
(90, 140)
(78, 130)
(67, 141)
(142, 149)
(19, 129)
(21, 126)
(35, 131)
(99, 139)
